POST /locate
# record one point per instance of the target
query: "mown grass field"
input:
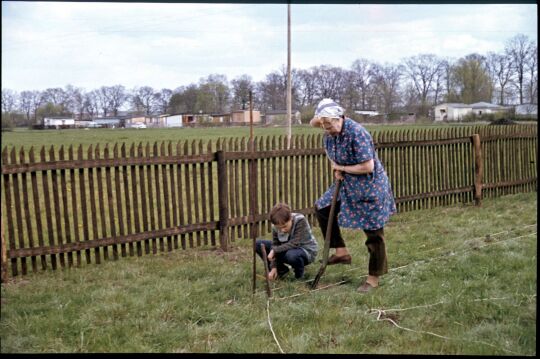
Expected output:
(462, 280)
(102, 136)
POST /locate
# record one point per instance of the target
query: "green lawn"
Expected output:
(462, 280)
(103, 136)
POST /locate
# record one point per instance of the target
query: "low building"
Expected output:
(483, 108)
(109, 122)
(279, 117)
(451, 111)
(457, 111)
(526, 110)
(244, 116)
(168, 121)
(58, 122)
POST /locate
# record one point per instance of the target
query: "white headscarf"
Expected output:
(328, 108)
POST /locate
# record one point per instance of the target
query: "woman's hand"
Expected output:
(338, 170)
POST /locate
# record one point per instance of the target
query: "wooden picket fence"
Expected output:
(67, 207)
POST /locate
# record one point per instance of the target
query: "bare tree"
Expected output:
(330, 81)
(520, 49)
(362, 71)
(241, 86)
(272, 91)
(532, 67)
(116, 97)
(500, 69)
(307, 87)
(161, 99)
(142, 99)
(387, 86)
(30, 101)
(91, 104)
(9, 100)
(422, 71)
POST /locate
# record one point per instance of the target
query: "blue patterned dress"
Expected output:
(367, 201)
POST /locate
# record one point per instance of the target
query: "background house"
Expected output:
(58, 122)
(527, 109)
(170, 121)
(279, 117)
(243, 116)
(451, 111)
(109, 122)
(482, 108)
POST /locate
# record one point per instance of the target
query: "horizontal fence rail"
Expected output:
(68, 207)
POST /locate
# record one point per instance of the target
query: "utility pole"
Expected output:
(289, 96)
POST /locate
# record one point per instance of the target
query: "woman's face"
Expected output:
(331, 126)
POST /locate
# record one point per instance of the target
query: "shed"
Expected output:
(57, 122)
(451, 111)
(279, 117)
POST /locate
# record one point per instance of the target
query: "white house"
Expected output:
(366, 113)
(456, 111)
(58, 121)
(172, 121)
(527, 109)
(482, 108)
(451, 111)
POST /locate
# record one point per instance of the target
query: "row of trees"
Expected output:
(414, 85)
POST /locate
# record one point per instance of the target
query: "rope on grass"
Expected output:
(270, 324)
(406, 265)
(453, 253)
(382, 312)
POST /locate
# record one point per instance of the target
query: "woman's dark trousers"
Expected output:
(375, 241)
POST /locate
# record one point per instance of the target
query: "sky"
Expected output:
(168, 45)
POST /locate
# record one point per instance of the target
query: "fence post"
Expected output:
(4, 273)
(223, 194)
(478, 169)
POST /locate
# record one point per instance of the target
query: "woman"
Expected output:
(365, 199)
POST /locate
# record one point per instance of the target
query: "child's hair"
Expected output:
(280, 214)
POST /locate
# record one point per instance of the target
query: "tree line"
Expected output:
(415, 84)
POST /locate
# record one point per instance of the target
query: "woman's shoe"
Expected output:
(346, 259)
(365, 288)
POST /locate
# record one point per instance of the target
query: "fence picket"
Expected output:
(37, 208)
(66, 211)
(48, 212)
(26, 208)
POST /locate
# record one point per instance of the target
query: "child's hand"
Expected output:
(273, 274)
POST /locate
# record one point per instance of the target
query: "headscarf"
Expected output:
(328, 108)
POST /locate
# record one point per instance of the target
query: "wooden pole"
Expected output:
(222, 201)
(4, 275)
(478, 169)
(289, 89)
(252, 193)
(265, 260)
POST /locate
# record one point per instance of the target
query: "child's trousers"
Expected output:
(295, 257)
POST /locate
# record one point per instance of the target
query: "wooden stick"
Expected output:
(265, 260)
(326, 249)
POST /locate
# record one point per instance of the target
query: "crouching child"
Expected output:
(292, 243)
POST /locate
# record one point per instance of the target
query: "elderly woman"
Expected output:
(365, 199)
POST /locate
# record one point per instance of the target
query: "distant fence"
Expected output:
(66, 207)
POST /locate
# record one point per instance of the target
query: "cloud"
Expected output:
(48, 44)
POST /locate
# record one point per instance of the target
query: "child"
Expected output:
(292, 243)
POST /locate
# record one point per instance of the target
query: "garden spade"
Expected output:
(328, 235)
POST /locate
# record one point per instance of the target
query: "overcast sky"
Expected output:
(167, 45)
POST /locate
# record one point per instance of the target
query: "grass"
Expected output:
(102, 136)
(462, 280)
